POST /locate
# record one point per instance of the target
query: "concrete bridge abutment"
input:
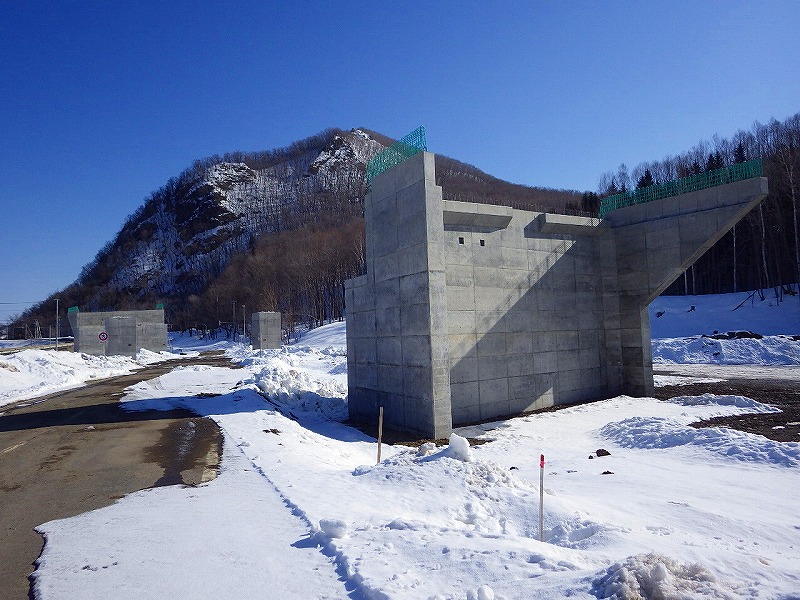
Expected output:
(469, 311)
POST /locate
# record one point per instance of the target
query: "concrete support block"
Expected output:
(470, 311)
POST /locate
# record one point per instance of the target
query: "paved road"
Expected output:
(75, 451)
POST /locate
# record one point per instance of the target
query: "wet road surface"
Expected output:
(74, 451)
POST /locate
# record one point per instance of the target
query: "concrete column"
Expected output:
(396, 326)
(265, 330)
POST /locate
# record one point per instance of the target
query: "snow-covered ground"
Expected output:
(680, 326)
(301, 510)
(31, 373)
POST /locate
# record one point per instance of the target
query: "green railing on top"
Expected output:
(701, 181)
(401, 150)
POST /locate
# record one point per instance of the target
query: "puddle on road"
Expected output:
(189, 451)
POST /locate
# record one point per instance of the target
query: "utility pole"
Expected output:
(233, 322)
(58, 324)
(244, 323)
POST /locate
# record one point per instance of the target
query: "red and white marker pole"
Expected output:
(541, 497)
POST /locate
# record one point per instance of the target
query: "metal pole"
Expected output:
(233, 322)
(244, 323)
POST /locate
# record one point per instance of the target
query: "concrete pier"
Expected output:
(125, 332)
(265, 330)
(473, 311)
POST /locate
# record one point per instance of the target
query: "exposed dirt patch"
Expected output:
(784, 395)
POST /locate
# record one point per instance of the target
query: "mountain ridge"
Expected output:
(185, 235)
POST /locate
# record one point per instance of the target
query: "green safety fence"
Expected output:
(693, 183)
(398, 152)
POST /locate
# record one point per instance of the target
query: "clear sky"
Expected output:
(102, 102)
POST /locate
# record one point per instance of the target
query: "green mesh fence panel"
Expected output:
(401, 150)
(160, 306)
(701, 181)
(73, 309)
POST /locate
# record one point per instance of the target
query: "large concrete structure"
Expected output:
(265, 330)
(125, 332)
(473, 311)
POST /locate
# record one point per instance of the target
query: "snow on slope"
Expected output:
(719, 313)
(680, 326)
(671, 512)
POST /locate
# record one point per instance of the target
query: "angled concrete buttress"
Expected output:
(473, 311)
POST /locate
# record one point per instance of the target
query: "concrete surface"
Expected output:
(128, 331)
(265, 330)
(469, 312)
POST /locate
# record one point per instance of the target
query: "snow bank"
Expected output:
(656, 576)
(773, 350)
(658, 432)
(31, 373)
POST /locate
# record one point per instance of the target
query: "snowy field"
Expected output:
(301, 510)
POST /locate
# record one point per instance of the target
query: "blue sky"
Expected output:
(102, 102)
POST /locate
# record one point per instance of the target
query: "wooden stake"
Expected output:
(380, 433)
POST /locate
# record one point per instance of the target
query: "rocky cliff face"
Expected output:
(179, 246)
(185, 233)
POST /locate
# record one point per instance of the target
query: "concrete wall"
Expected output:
(654, 244)
(265, 330)
(525, 312)
(397, 313)
(471, 311)
(128, 331)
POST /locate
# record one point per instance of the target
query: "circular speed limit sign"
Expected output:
(103, 336)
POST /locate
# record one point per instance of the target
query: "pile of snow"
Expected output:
(30, 373)
(670, 432)
(681, 326)
(655, 576)
(773, 350)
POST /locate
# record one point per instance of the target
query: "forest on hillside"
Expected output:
(294, 239)
(762, 252)
(293, 252)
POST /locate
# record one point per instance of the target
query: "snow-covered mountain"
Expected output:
(183, 240)
(185, 233)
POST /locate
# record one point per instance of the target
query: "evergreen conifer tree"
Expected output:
(645, 180)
